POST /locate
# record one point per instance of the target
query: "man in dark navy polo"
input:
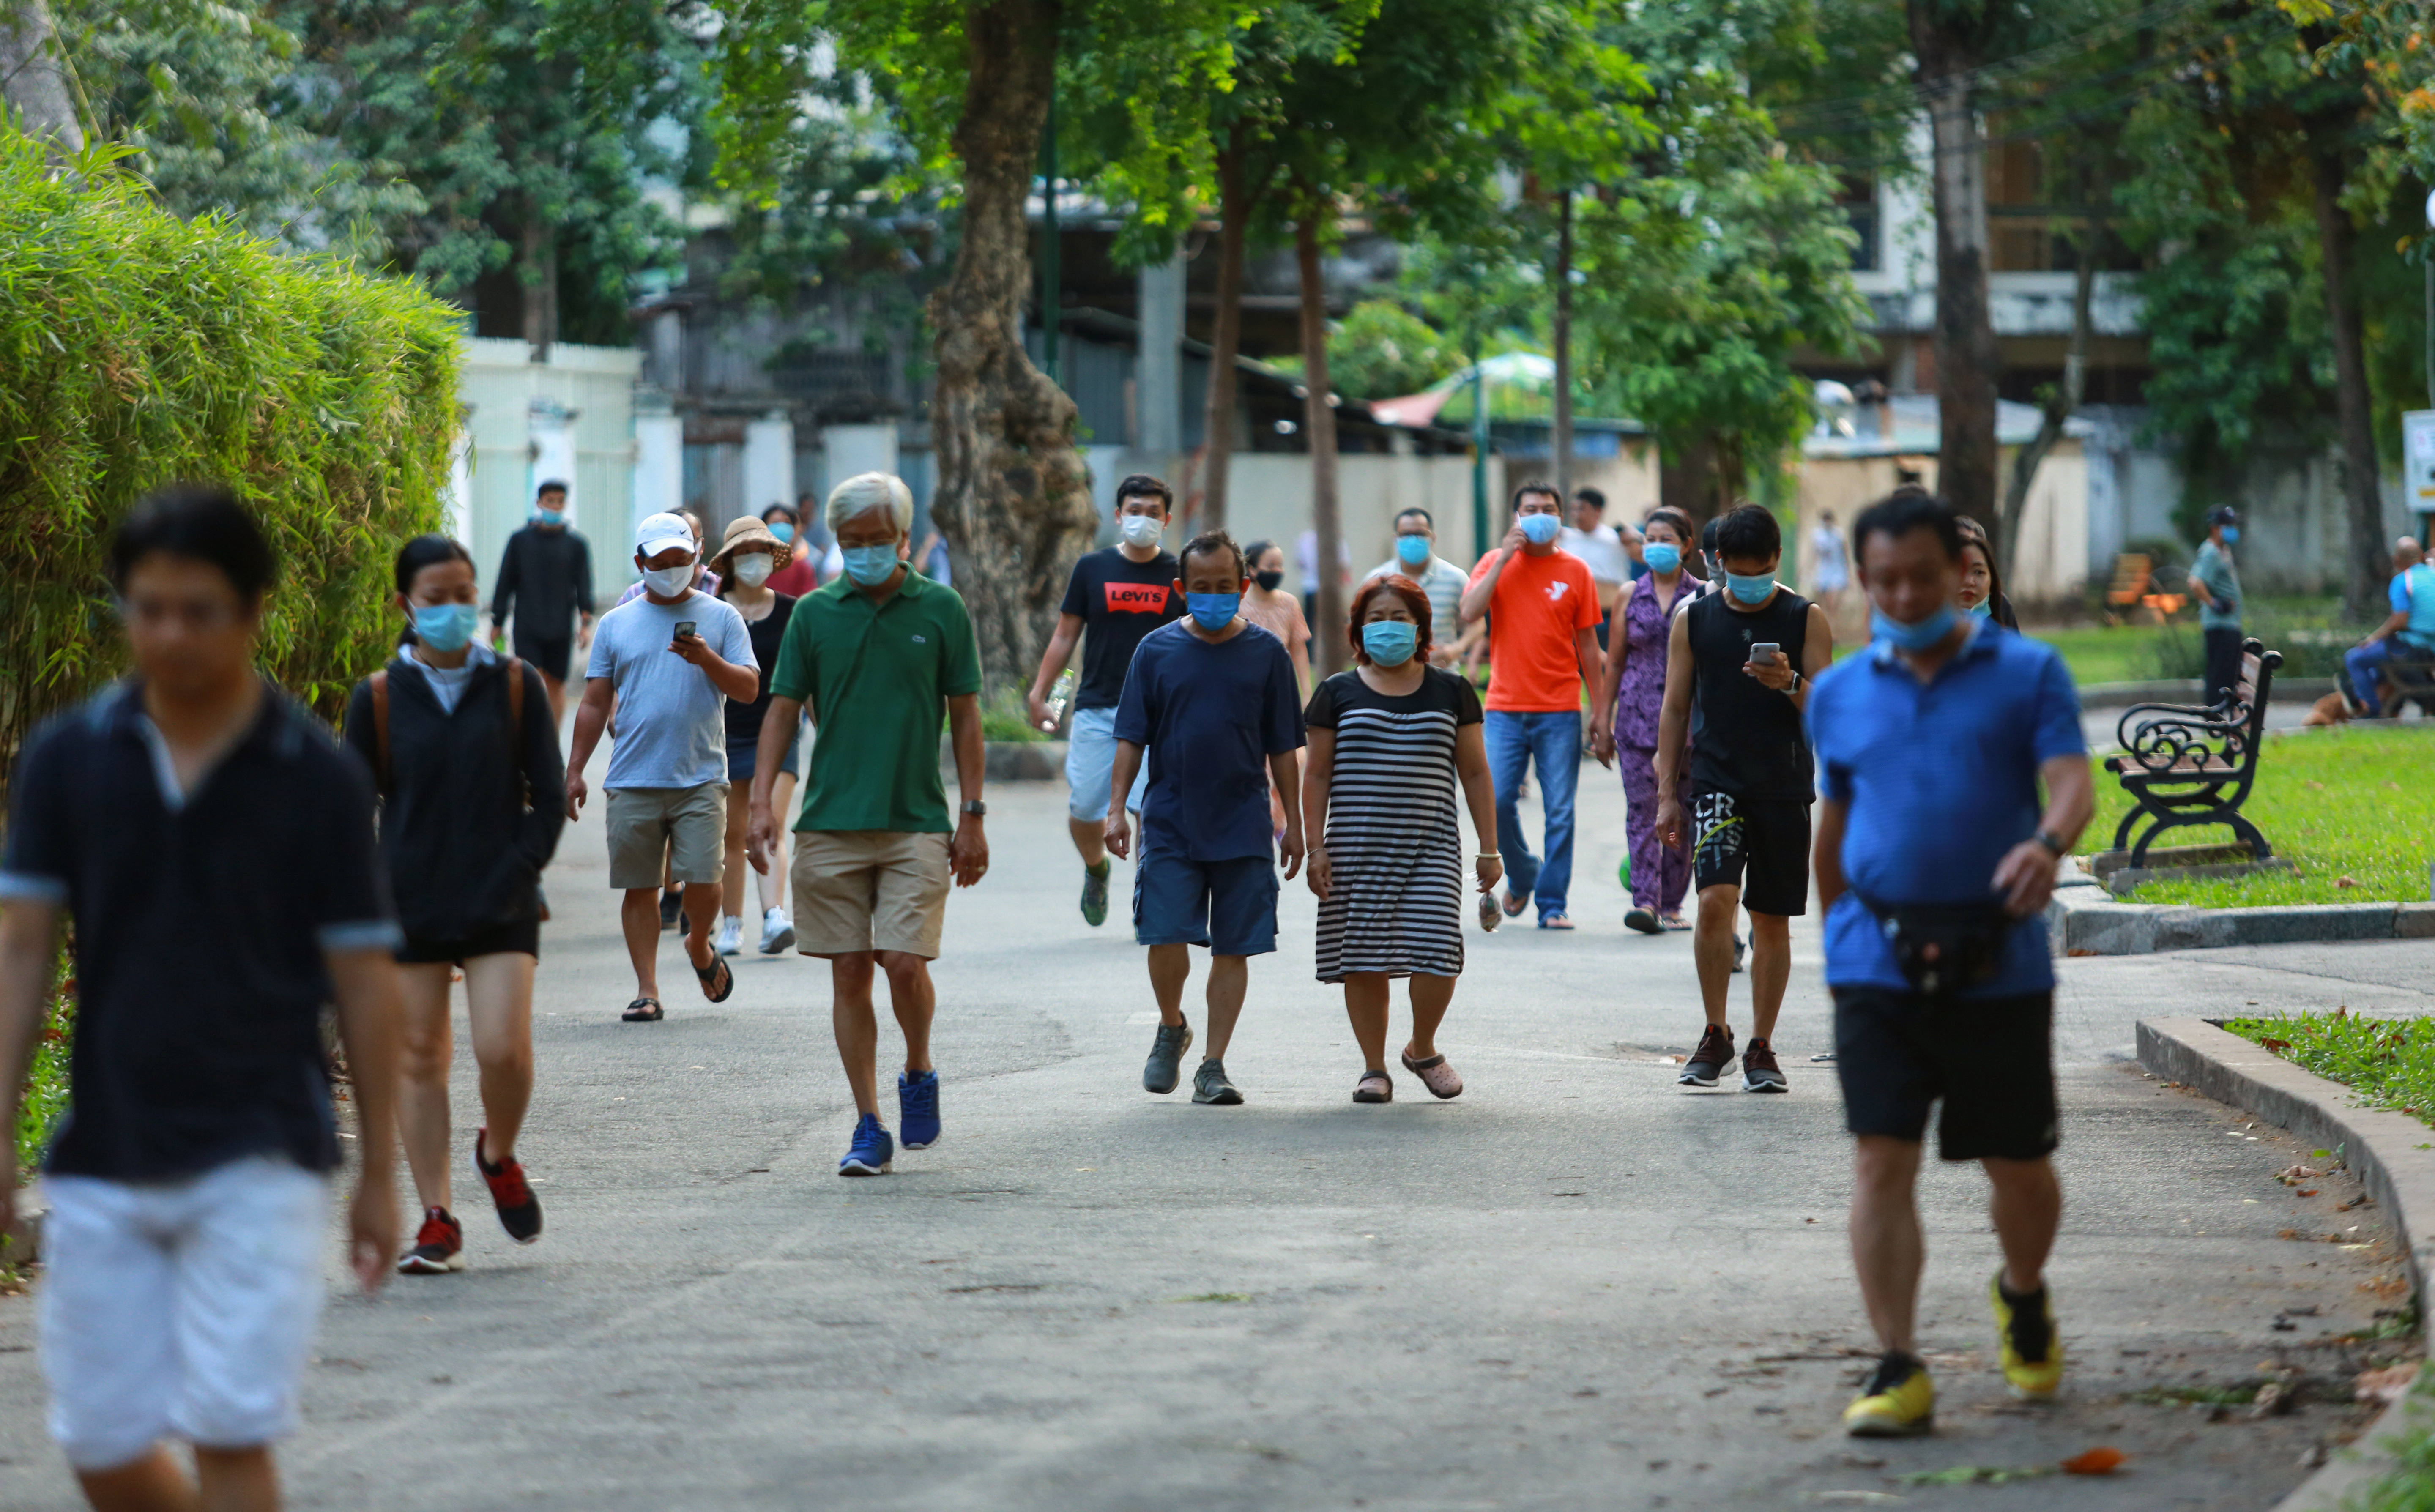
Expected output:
(212, 848)
(1935, 862)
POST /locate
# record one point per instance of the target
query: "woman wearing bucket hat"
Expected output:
(748, 555)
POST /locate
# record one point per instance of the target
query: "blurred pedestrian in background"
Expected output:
(1982, 583)
(1625, 715)
(750, 558)
(544, 587)
(2217, 586)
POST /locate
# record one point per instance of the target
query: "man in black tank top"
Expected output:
(1737, 680)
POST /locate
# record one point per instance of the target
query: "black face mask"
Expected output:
(1268, 580)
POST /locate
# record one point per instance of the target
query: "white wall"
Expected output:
(496, 388)
(768, 464)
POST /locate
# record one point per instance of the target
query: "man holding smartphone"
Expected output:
(1735, 695)
(669, 661)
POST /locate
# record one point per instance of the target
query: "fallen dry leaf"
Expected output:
(2385, 1385)
(2345, 882)
(2102, 1460)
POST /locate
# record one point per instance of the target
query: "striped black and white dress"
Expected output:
(1394, 850)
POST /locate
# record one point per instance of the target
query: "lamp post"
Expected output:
(1479, 459)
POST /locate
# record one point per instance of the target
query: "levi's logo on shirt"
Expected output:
(1137, 598)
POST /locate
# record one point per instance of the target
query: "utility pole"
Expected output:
(1052, 280)
(1479, 534)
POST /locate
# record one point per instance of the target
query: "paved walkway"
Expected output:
(1575, 1286)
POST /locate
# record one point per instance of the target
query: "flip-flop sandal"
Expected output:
(1556, 921)
(1438, 1077)
(715, 972)
(1673, 924)
(645, 1010)
(1514, 905)
(1374, 1087)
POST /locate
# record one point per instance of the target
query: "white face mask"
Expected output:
(1141, 529)
(669, 581)
(754, 570)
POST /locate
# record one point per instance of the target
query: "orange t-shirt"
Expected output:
(1539, 603)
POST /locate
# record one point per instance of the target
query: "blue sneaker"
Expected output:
(917, 1109)
(872, 1149)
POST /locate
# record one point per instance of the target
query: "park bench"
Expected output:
(2191, 764)
(2134, 579)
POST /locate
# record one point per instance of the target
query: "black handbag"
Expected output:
(1943, 948)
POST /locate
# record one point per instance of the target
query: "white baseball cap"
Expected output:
(660, 532)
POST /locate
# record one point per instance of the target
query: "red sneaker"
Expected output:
(439, 1245)
(519, 1209)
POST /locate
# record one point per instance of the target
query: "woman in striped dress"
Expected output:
(1390, 739)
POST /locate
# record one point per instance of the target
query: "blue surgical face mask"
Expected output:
(444, 626)
(1984, 608)
(1412, 551)
(1917, 637)
(550, 516)
(1662, 557)
(1390, 643)
(870, 565)
(1539, 529)
(782, 530)
(2232, 535)
(1750, 590)
(1213, 612)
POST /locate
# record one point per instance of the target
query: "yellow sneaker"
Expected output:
(2018, 1325)
(1899, 1402)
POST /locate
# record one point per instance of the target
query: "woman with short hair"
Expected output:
(1391, 740)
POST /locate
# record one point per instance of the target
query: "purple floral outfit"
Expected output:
(1660, 875)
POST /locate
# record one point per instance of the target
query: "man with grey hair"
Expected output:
(877, 657)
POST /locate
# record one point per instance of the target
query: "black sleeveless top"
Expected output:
(1746, 737)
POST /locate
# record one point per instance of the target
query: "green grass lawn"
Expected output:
(2107, 653)
(2387, 1063)
(2349, 803)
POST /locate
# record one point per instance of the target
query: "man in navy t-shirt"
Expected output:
(1213, 701)
(1935, 861)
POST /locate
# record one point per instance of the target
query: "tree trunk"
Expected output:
(1318, 423)
(1218, 432)
(1563, 440)
(539, 255)
(2363, 597)
(1966, 357)
(1687, 477)
(1013, 495)
(34, 79)
(2058, 407)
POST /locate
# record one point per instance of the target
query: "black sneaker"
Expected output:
(519, 1209)
(1709, 1061)
(439, 1245)
(671, 907)
(1760, 1071)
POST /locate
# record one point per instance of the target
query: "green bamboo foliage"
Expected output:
(138, 349)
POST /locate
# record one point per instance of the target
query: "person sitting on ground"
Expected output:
(1624, 719)
(1982, 583)
(2412, 598)
(669, 661)
(1416, 558)
(1211, 702)
(749, 559)
(880, 659)
(1735, 693)
(544, 582)
(473, 796)
(210, 848)
(1391, 739)
(1935, 863)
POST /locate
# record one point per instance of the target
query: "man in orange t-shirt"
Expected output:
(1544, 617)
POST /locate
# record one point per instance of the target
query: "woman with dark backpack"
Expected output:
(473, 796)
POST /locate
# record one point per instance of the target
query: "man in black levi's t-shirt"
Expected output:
(1119, 595)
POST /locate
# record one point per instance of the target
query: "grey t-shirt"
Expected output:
(671, 723)
(2214, 568)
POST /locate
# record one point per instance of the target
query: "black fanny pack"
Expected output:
(1943, 948)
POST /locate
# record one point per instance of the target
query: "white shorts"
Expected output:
(1091, 765)
(179, 1310)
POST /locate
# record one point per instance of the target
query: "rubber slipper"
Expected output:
(1514, 905)
(645, 1010)
(1374, 1087)
(715, 972)
(1438, 1077)
(1555, 922)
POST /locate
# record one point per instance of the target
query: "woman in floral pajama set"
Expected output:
(1633, 687)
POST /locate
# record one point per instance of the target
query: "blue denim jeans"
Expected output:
(2362, 662)
(1553, 742)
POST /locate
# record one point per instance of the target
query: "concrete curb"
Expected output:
(2081, 920)
(2383, 1149)
(2186, 690)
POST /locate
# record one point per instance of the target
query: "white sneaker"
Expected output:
(777, 932)
(731, 935)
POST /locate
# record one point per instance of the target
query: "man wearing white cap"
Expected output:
(670, 660)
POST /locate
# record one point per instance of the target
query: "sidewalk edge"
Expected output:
(2383, 1149)
(2084, 920)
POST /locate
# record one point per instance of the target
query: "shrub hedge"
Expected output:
(138, 349)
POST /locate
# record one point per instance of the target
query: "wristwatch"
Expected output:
(2052, 842)
(976, 807)
(1796, 684)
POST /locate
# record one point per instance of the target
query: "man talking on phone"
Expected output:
(1737, 674)
(668, 662)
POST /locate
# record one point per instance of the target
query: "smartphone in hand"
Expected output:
(1762, 654)
(685, 629)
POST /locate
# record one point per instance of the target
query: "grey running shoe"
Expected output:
(1209, 1085)
(1709, 1061)
(1741, 952)
(1760, 1073)
(1095, 894)
(1166, 1066)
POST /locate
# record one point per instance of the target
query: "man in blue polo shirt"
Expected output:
(1934, 865)
(2411, 598)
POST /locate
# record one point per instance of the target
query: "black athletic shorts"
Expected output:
(523, 939)
(1760, 845)
(548, 654)
(1989, 1058)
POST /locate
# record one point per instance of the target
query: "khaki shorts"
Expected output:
(686, 826)
(868, 890)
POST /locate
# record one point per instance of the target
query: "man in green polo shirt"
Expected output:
(873, 656)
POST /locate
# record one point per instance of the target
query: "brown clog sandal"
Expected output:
(1438, 1077)
(1374, 1087)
